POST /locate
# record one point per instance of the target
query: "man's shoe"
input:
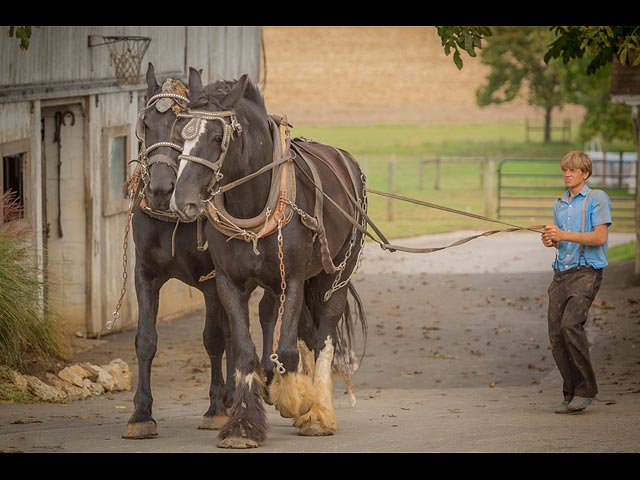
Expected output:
(563, 407)
(578, 404)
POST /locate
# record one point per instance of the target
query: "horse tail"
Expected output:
(345, 360)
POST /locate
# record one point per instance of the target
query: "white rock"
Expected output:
(105, 379)
(95, 388)
(44, 391)
(69, 375)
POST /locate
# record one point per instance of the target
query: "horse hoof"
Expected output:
(237, 442)
(141, 430)
(213, 423)
(314, 431)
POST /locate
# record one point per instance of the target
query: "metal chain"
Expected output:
(283, 286)
(125, 245)
(337, 285)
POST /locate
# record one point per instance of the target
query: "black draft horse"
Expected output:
(165, 250)
(316, 197)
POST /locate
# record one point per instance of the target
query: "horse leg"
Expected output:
(268, 310)
(321, 417)
(141, 424)
(247, 424)
(214, 343)
(291, 391)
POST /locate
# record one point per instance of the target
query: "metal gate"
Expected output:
(527, 187)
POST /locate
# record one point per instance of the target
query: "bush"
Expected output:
(29, 335)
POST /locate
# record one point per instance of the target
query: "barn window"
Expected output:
(116, 153)
(12, 178)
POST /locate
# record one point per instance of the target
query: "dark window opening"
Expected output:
(13, 181)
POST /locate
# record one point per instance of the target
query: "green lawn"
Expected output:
(390, 157)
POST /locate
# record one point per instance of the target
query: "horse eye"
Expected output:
(217, 138)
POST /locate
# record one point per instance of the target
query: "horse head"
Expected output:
(159, 151)
(217, 146)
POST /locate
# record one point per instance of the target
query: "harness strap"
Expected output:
(201, 247)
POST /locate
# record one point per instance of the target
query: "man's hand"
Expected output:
(551, 235)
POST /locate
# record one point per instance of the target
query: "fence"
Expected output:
(527, 187)
(565, 129)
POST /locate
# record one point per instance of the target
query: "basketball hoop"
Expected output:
(125, 53)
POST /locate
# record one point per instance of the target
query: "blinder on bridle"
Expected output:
(230, 126)
(161, 102)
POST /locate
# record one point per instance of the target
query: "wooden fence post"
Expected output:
(390, 186)
(436, 175)
(488, 168)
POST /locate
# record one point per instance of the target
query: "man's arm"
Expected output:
(597, 238)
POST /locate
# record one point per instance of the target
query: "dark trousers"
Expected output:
(571, 294)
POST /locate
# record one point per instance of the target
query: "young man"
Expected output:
(580, 232)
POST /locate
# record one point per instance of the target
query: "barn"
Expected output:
(67, 133)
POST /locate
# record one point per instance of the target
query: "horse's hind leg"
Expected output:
(268, 310)
(141, 424)
(214, 343)
(321, 418)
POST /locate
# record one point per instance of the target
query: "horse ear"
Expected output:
(195, 82)
(152, 83)
(235, 94)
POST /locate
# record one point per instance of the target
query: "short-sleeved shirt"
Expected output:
(568, 216)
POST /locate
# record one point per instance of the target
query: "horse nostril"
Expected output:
(191, 210)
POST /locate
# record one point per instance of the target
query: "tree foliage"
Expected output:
(465, 38)
(23, 34)
(514, 55)
(601, 43)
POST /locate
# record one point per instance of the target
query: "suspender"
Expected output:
(584, 209)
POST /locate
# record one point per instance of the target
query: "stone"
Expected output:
(95, 388)
(19, 381)
(120, 372)
(105, 379)
(73, 392)
(69, 375)
(44, 391)
(91, 370)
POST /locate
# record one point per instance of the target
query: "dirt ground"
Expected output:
(457, 360)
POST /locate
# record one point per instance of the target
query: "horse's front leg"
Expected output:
(214, 343)
(141, 424)
(247, 424)
(292, 389)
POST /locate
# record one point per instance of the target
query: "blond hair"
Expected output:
(577, 160)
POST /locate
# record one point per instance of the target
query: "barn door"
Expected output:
(64, 212)
(116, 150)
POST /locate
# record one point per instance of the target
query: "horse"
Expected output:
(283, 234)
(166, 248)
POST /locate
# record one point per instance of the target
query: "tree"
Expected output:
(570, 43)
(515, 57)
(23, 34)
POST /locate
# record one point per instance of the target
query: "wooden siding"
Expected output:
(60, 55)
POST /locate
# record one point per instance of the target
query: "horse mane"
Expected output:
(213, 94)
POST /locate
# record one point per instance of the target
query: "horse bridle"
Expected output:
(143, 156)
(230, 126)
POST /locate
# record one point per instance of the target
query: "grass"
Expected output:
(461, 184)
(28, 338)
(622, 252)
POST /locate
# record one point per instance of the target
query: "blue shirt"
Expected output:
(568, 216)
